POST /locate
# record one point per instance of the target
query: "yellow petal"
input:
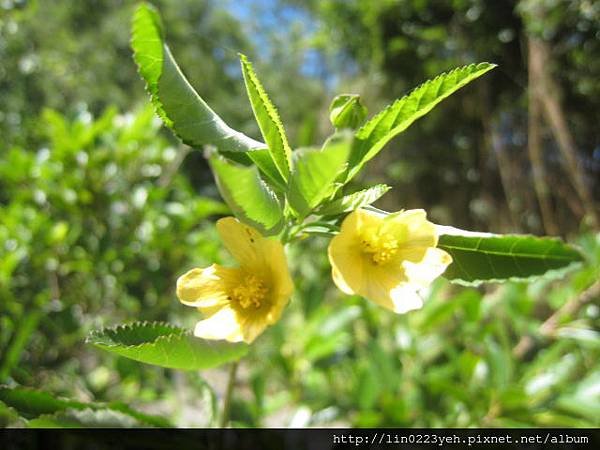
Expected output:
(221, 325)
(231, 325)
(274, 254)
(251, 329)
(393, 284)
(262, 256)
(280, 281)
(432, 266)
(405, 298)
(387, 288)
(341, 283)
(415, 230)
(379, 285)
(216, 290)
(345, 257)
(206, 288)
(242, 241)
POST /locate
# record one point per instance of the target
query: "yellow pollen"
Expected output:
(380, 248)
(252, 291)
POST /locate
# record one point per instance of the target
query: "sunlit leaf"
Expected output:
(268, 120)
(484, 257)
(175, 100)
(315, 174)
(263, 160)
(248, 196)
(346, 111)
(398, 116)
(354, 201)
(166, 346)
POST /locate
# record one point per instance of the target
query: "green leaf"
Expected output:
(166, 346)
(315, 174)
(9, 417)
(346, 111)
(175, 100)
(585, 401)
(398, 116)
(262, 159)
(264, 162)
(248, 196)
(12, 354)
(268, 120)
(32, 403)
(484, 257)
(85, 418)
(353, 201)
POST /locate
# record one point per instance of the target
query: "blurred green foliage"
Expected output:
(457, 362)
(95, 227)
(100, 212)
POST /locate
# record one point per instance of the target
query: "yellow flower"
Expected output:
(239, 303)
(387, 259)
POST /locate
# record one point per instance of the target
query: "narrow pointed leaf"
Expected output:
(397, 117)
(266, 165)
(268, 120)
(262, 159)
(249, 197)
(175, 100)
(484, 257)
(353, 201)
(166, 346)
(315, 174)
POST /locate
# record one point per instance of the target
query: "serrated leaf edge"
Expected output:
(153, 90)
(250, 75)
(379, 190)
(363, 133)
(150, 89)
(177, 332)
(550, 275)
(555, 240)
(373, 121)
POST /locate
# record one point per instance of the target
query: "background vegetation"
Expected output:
(101, 210)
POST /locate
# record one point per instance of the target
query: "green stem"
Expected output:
(18, 342)
(228, 395)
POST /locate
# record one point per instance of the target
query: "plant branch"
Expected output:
(550, 326)
(228, 395)
(173, 167)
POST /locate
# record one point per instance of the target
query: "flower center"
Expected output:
(380, 248)
(252, 291)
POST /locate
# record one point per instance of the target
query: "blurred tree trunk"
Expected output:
(493, 148)
(555, 117)
(534, 138)
(544, 98)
